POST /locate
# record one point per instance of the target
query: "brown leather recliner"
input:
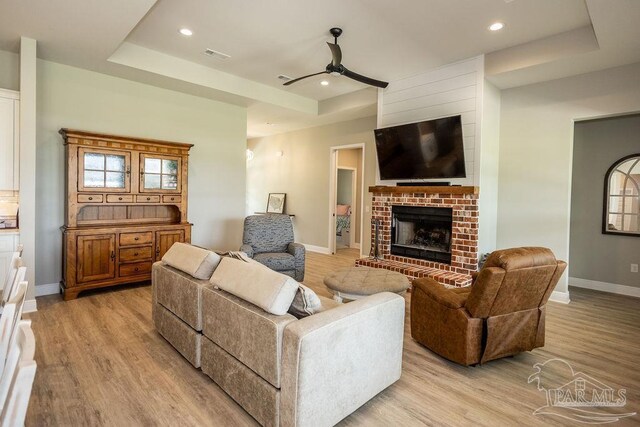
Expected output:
(500, 314)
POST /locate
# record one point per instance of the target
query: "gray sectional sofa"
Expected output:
(282, 370)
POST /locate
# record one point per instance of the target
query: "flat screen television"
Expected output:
(423, 150)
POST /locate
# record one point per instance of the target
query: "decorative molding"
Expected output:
(318, 249)
(47, 289)
(7, 93)
(605, 287)
(30, 306)
(561, 297)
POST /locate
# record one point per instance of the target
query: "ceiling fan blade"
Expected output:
(363, 79)
(303, 77)
(336, 54)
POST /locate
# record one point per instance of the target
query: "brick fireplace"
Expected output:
(426, 232)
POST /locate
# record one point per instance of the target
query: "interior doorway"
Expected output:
(346, 197)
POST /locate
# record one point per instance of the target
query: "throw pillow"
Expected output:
(253, 282)
(305, 303)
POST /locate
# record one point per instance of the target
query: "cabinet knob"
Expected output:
(172, 199)
(135, 269)
(119, 198)
(148, 198)
(90, 198)
(113, 255)
(135, 254)
(136, 238)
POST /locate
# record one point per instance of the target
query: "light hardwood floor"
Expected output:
(100, 362)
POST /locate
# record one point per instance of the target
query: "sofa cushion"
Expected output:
(179, 293)
(197, 262)
(305, 303)
(253, 282)
(182, 337)
(278, 261)
(245, 331)
(256, 396)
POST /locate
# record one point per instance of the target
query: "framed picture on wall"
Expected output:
(275, 203)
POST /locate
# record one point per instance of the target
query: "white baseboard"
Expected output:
(47, 289)
(561, 297)
(30, 306)
(318, 249)
(604, 287)
(356, 246)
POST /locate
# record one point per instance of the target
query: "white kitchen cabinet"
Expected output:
(9, 140)
(8, 244)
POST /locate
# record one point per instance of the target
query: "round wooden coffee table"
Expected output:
(357, 282)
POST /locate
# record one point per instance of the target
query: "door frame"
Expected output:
(333, 181)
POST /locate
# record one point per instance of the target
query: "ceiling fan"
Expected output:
(336, 68)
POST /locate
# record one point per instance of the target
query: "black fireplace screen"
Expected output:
(421, 232)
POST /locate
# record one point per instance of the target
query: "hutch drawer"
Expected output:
(130, 239)
(136, 254)
(135, 269)
(171, 199)
(119, 198)
(147, 199)
(90, 198)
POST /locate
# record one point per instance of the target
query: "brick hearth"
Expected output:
(464, 237)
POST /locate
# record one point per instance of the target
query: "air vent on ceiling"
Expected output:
(216, 54)
(285, 78)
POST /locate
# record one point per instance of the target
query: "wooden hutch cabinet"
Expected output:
(126, 204)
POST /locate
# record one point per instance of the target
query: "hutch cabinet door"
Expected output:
(96, 257)
(104, 170)
(160, 173)
(165, 239)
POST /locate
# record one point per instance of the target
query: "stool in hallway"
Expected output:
(358, 282)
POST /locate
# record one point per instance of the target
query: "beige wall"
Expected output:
(536, 143)
(352, 159)
(9, 70)
(303, 173)
(80, 99)
(598, 144)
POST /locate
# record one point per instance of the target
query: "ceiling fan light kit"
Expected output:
(335, 67)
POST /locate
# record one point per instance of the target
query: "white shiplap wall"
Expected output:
(446, 91)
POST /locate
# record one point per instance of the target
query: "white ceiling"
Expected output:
(387, 40)
(382, 39)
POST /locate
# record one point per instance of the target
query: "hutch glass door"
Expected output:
(103, 170)
(159, 174)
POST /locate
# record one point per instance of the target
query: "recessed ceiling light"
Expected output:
(186, 32)
(324, 83)
(496, 26)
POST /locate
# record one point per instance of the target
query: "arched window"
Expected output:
(622, 197)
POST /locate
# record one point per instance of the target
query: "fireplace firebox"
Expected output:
(422, 232)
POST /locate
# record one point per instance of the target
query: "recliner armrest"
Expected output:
(440, 294)
(247, 250)
(297, 250)
(474, 276)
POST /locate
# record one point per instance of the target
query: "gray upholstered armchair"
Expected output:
(268, 239)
